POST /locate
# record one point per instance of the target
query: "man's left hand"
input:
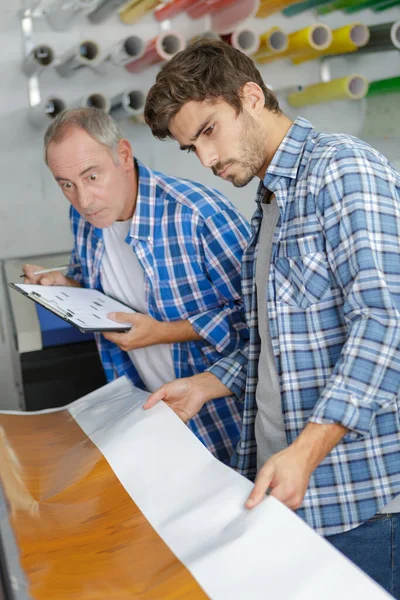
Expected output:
(286, 474)
(145, 331)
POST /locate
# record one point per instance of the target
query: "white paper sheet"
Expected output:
(196, 504)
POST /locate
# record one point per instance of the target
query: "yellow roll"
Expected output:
(344, 40)
(316, 37)
(352, 87)
(272, 43)
(267, 7)
(136, 9)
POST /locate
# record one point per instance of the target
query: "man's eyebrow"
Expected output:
(88, 169)
(203, 126)
(80, 174)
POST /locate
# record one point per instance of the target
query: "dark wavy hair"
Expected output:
(207, 69)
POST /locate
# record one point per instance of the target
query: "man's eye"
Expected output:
(209, 130)
(93, 177)
(67, 185)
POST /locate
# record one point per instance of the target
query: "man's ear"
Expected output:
(125, 155)
(253, 98)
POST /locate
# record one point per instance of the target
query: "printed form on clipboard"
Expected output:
(85, 308)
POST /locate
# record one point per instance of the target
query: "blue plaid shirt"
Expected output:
(334, 316)
(189, 241)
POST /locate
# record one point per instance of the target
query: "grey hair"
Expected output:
(98, 124)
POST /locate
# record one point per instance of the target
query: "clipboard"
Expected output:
(84, 308)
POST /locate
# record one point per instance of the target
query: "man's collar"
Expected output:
(143, 217)
(287, 158)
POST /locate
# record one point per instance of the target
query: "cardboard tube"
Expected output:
(352, 87)
(61, 13)
(136, 9)
(84, 54)
(129, 103)
(243, 39)
(104, 10)
(272, 42)
(163, 47)
(128, 49)
(38, 59)
(173, 8)
(41, 114)
(344, 40)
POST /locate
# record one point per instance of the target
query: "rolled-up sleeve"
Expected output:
(359, 209)
(232, 371)
(224, 237)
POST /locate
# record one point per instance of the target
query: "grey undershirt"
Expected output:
(269, 426)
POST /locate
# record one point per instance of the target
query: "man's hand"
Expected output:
(53, 278)
(147, 331)
(187, 396)
(287, 473)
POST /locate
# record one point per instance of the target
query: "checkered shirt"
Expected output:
(189, 240)
(334, 316)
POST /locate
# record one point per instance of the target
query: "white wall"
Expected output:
(33, 213)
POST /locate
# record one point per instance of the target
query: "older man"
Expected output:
(321, 288)
(168, 247)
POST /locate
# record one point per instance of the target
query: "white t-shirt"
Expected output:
(122, 277)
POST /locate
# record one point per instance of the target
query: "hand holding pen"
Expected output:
(53, 276)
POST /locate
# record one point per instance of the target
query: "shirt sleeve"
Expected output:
(224, 237)
(232, 371)
(359, 209)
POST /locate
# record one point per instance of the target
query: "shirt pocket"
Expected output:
(302, 276)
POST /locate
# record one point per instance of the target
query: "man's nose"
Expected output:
(208, 157)
(84, 198)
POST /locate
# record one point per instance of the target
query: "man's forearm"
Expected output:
(173, 332)
(316, 441)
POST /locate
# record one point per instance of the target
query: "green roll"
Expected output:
(386, 5)
(300, 7)
(377, 5)
(343, 5)
(384, 86)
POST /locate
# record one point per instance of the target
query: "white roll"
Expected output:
(61, 13)
(128, 49)
(42, 114)
(81, 55)
(38, 59)
(129, 103)
(96, 100)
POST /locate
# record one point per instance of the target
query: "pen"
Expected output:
(61, 268)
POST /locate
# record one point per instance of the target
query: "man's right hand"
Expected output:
(53, 278)
(188, 395)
